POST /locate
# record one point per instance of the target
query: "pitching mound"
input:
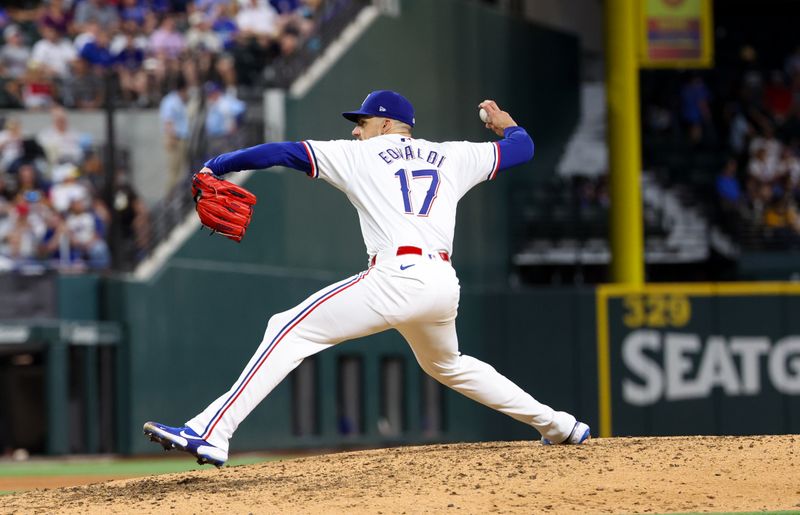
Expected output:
(629, 475)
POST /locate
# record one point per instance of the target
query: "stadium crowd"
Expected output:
(61, 52)
(52, 208)
(62, 55)
(759, 184)
(744, 114)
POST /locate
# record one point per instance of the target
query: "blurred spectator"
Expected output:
(88, 34)
(224, 24)
(10, 143)
(85, 234)
(97, 53)
(782, 223)
(54, 243)
(60, 143)
(728, 188)
(133, 80)
(53, 53)
(740, 132)
(695, 109)
(85, 89)
(100, 11)
(66, 187)
(730, 198)
(289, 41)
(20, 238)
(28, 180)
(133, 218)
(57, 17)
(32, 154)
(166, 42)
(133, 10)
(38, 91)
(175, 126)
(257, 18)
(93, 173)
(226, 70)
(14, 55)
(770, 144)
(200, 37)
(223, 117)
(129, 30)
(761, 174)
(778, 96)
(296, 15)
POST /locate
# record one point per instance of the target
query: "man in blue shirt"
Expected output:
(174, 117)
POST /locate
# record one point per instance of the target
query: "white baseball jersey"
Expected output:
(404, 189)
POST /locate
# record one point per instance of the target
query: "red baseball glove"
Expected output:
(222, 206)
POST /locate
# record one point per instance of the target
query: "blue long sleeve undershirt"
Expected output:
(515, 148)
(290, 154)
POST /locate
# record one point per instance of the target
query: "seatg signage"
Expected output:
(673, 366)
(699, 359)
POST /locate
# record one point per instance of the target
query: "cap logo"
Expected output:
(381, 109)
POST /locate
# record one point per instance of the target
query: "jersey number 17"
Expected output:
(405, 189)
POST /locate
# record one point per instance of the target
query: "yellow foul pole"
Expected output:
(624, 141)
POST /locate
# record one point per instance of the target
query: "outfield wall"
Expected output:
(662, 359)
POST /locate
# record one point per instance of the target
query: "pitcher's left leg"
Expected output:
(435, 346)
(340, 312)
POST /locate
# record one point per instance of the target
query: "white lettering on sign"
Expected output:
(677, 366)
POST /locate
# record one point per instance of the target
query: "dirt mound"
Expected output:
(629, 475)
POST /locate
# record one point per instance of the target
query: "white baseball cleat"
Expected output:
(579, 434)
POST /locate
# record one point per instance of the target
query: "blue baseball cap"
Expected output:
(384, 103)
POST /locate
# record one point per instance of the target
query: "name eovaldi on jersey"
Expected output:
(411, 152)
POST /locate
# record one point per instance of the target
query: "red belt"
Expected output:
(404, 250)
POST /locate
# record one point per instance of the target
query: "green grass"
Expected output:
(116, 466)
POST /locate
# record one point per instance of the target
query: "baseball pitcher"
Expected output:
(405, 191)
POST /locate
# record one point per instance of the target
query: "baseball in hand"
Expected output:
(483, 115)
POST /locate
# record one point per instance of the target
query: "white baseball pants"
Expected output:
(420, 301)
